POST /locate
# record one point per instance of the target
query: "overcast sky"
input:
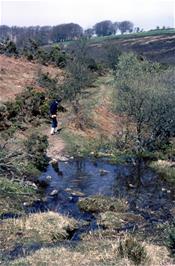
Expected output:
(146, 14)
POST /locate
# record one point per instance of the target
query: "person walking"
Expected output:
(53, 114)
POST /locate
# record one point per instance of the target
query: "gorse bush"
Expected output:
(32, 51)
(36, 146)
(58, 57)
(51, 86)
(9, 48)
(27, 106)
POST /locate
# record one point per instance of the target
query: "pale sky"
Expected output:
(146, 14)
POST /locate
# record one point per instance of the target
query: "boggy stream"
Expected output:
(145, 193)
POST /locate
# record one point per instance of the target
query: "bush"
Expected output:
(36, 150)
(133, 250)
(10, 162)
(144, 93)
(27, 106)
(57, 57)
(170, 242)
(9, 48)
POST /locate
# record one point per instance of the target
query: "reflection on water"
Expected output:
(137, 183)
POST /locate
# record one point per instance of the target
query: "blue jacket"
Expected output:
(53, 108)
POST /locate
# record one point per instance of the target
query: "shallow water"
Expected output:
(140, 186)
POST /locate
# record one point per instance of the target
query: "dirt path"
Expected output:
(56, 147)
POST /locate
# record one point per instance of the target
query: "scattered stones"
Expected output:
(26, 204)
(131, 185)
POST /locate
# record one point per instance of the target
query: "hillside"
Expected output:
(85, 195)
(17, 74)
(160, 48)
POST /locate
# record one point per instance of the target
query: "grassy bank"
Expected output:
(97, 252)
(166, 170)
(13, 194)
(42, 228)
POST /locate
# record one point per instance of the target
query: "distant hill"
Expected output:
(155, 46)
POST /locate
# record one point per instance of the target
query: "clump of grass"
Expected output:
(38, 228)
(170, 240)
(98, 204)
(13, 194)
(165, 169)
(115, 220)
(97, 251)
(133, 250)
(82, 145)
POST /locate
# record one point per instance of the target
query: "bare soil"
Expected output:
(17, 74)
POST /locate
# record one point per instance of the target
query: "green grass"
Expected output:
(165, 170)
(77, 145)
(13, 194)
(155, 32)
(133, 35)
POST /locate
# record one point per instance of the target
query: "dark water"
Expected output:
(143, 189)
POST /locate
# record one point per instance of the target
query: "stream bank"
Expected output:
(102, 199)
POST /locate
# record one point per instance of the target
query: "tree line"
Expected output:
(63, 32)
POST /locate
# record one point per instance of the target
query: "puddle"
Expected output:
(143, 189)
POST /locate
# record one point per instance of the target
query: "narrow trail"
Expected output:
(56, 149)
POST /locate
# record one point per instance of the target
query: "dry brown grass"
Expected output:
(46, 227)
(96, 252)
(85, 254)
(17, 74)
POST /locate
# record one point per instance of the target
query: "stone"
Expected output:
(74, 192)
(103, 172)
(54, 192)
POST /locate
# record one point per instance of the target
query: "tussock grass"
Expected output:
(99, 203)
(133, 250)
(165, 169)
(115, 220)
(13, 194)
(99, 252)
(41, 228)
